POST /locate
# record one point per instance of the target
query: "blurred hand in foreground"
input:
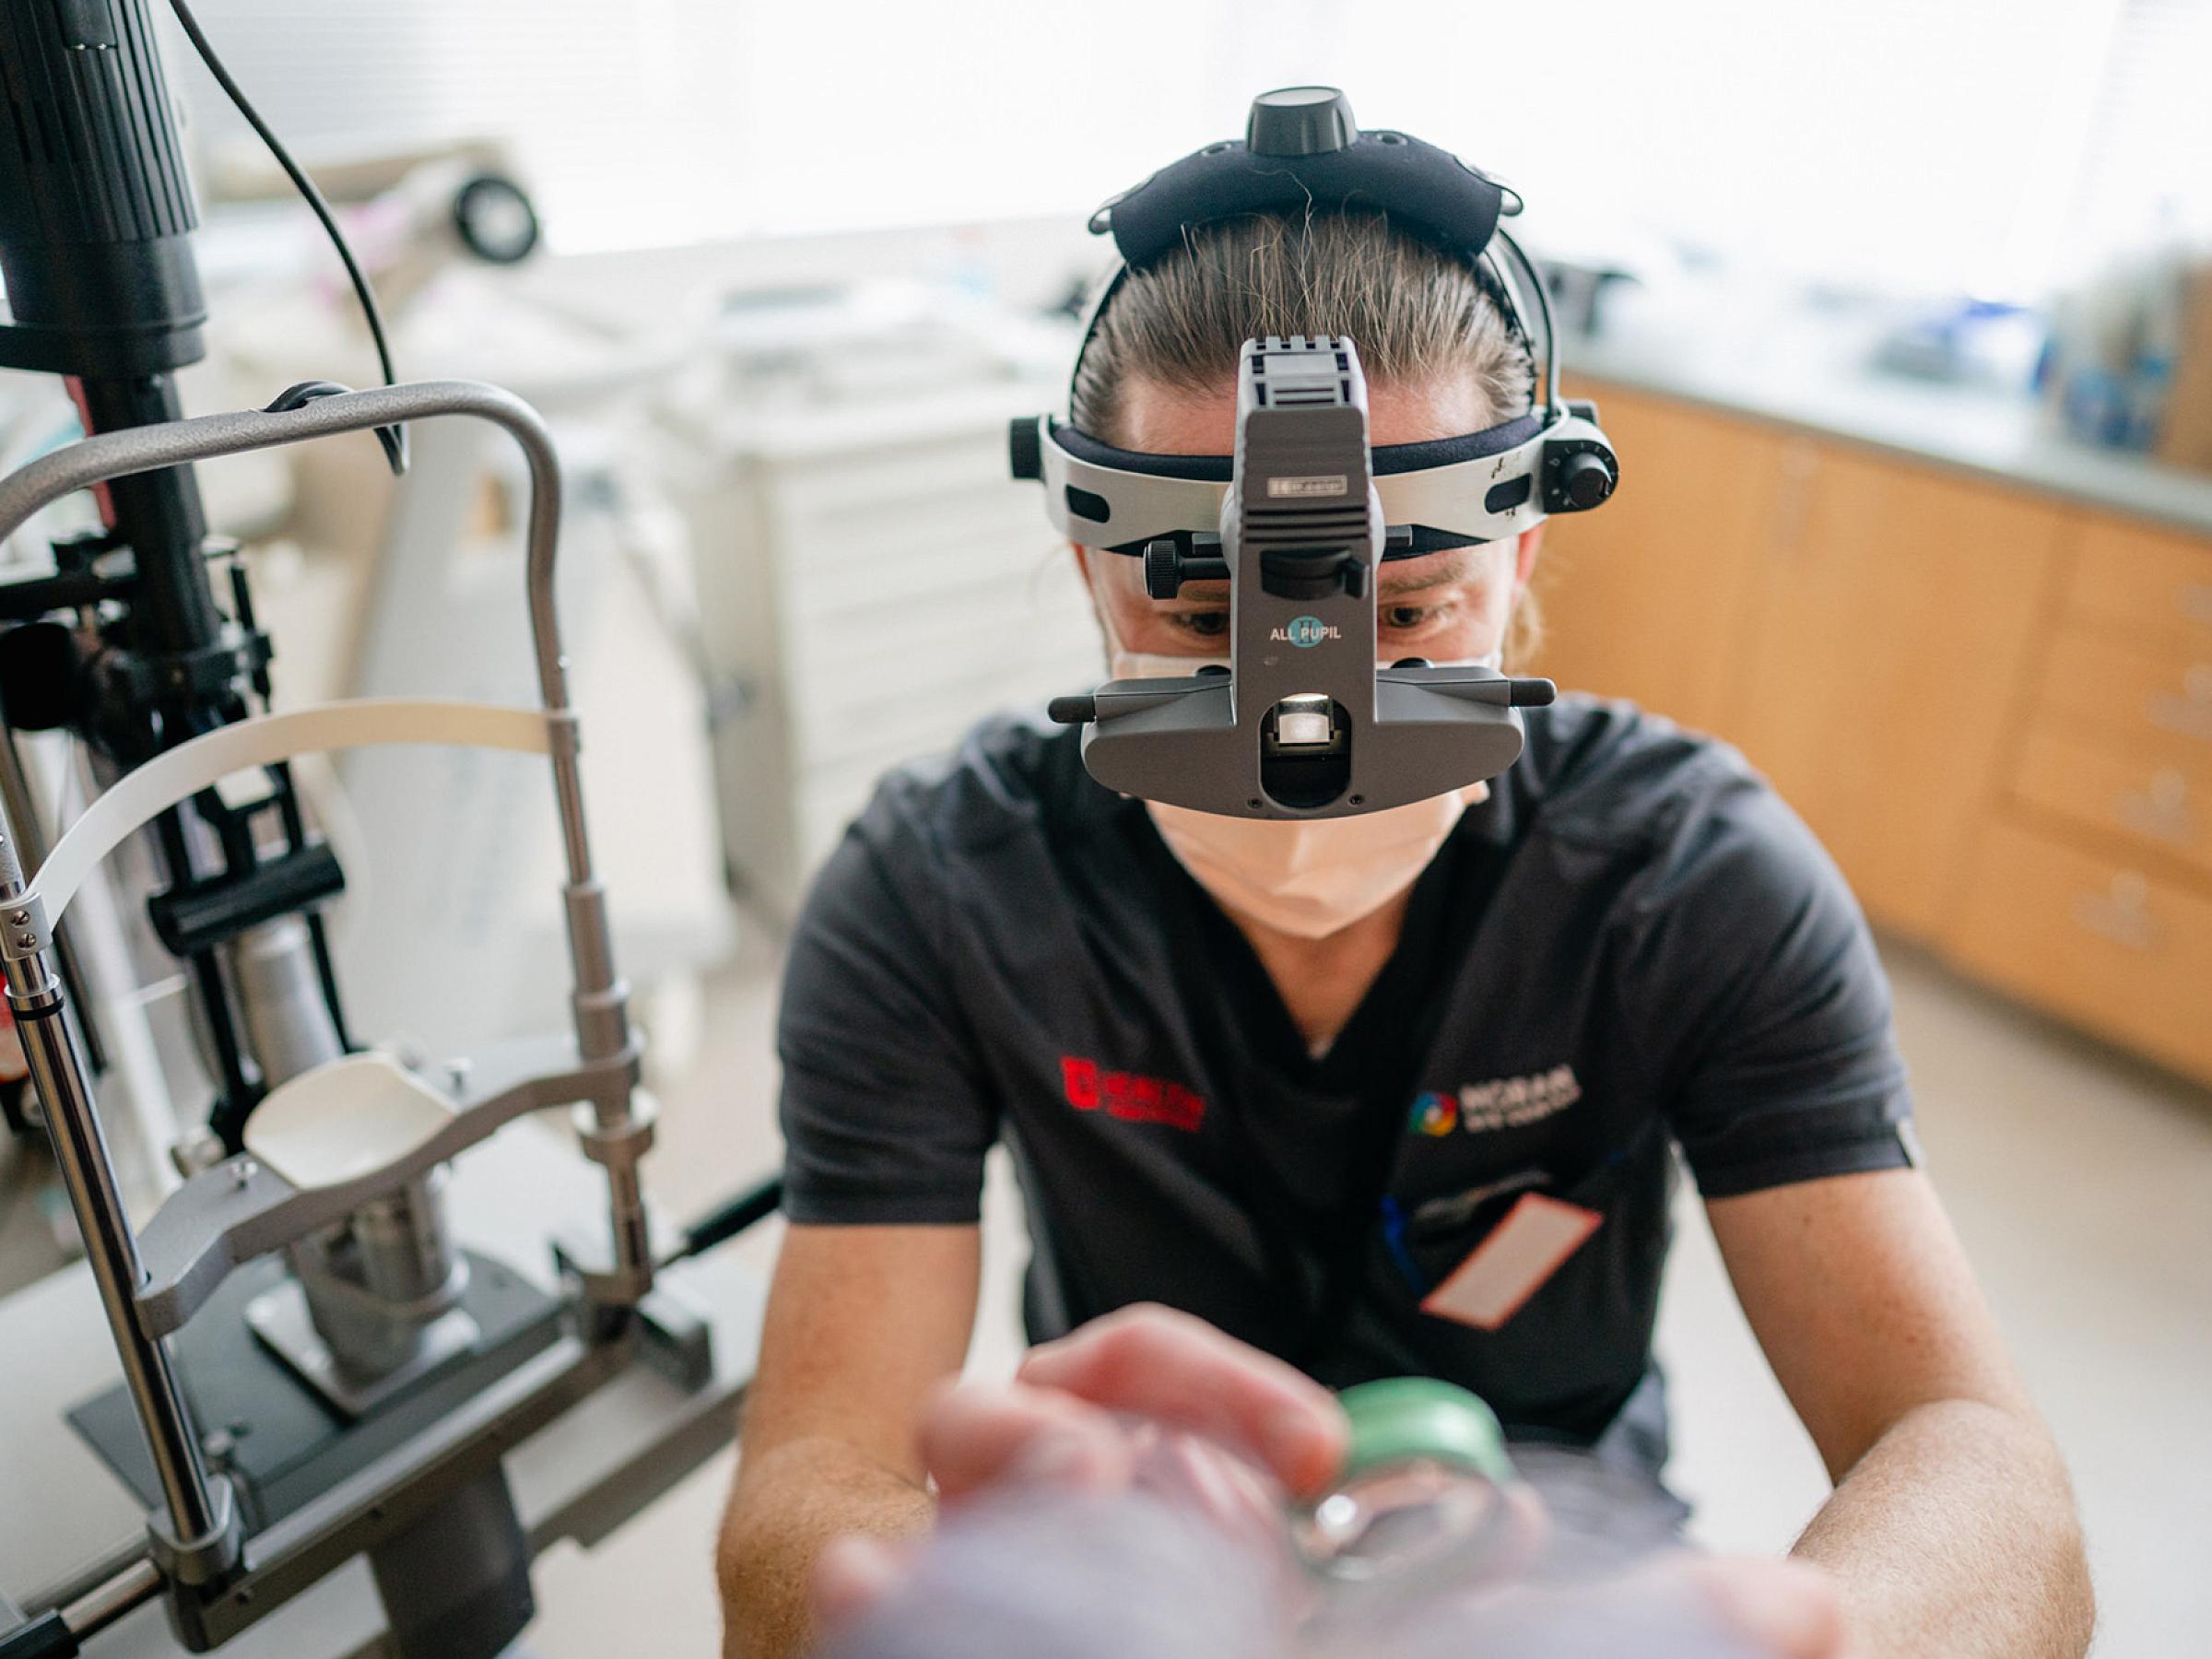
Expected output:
(1126, 1493)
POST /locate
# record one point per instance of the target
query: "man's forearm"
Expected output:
(1956, 1538)
(784, 1509)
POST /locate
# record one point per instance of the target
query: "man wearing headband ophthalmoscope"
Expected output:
(1330, 983)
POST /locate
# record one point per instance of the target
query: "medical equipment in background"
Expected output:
(836, 648)
(278, 1416)
(457, 858)
(407, 213)
(403, 592)
(124, 644)
(1306, 723)
(440, 209)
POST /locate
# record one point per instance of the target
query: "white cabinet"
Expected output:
(870, 584)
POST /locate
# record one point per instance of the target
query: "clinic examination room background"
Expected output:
(1900, 315)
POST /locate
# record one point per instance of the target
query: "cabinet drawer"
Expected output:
(2159, 808)
(2149, 583)
(2091, 938)
(2155, 700)
(835, 563)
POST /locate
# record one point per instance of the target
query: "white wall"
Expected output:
(1925, 144)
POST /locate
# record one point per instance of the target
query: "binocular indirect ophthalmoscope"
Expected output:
(1304, 723)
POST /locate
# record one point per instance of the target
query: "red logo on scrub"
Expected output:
(1128, 1096)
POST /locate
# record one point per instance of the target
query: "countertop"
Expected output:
(1985, 433)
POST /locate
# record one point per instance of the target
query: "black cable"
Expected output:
(731, 1217)
(395, 444)
(306, 391)
(1551, 339)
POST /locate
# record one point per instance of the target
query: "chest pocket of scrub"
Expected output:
(1577, 1347)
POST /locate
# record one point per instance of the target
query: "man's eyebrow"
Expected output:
(1458, 566)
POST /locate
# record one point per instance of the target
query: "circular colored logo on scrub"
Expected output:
(1435, 1113)
(1305, 631)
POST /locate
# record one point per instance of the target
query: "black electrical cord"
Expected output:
(754, 1203)
(1551, 338)
(393, 438)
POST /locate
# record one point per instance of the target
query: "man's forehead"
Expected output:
(1202, 420)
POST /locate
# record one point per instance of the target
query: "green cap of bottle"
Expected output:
(1399, 1419)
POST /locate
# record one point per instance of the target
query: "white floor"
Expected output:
(2081, 1182)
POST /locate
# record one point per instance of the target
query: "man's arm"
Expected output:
(862, 1321)
(1952, 1529)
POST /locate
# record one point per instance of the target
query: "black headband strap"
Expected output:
(1429, 192)
(1303, 154)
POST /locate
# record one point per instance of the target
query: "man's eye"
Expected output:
(1204, 625)
(1405, 617)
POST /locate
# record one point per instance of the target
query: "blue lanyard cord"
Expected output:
(1394, 1237)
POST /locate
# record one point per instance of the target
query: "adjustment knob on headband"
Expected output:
(1585, 480)
(1299, 121)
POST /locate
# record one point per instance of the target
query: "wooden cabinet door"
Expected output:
(1885, 655)
(2065, 927)
(1645, 597)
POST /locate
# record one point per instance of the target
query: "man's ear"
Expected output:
(1524, 556)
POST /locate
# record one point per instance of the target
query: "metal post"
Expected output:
(200, 1517)
(30, 850)
(601, 996)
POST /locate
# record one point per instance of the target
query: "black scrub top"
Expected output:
(1631, 947)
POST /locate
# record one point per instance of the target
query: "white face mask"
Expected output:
(1309, 877)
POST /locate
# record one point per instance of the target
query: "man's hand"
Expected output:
(1157, 1364)
(1097, 1411)
(1139, 1387)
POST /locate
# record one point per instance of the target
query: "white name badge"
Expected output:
(1537, 1235)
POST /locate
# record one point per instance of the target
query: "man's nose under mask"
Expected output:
(1309, 877)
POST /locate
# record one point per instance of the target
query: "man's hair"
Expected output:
(1415, 314)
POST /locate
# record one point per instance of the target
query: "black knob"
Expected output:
(1309, 573)
(1025, 447)
(1166, 570)
(1530, 693)
(1072, 711)
(1299, 121)
(1585, 480)
(495, 219)
(1163, 569)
